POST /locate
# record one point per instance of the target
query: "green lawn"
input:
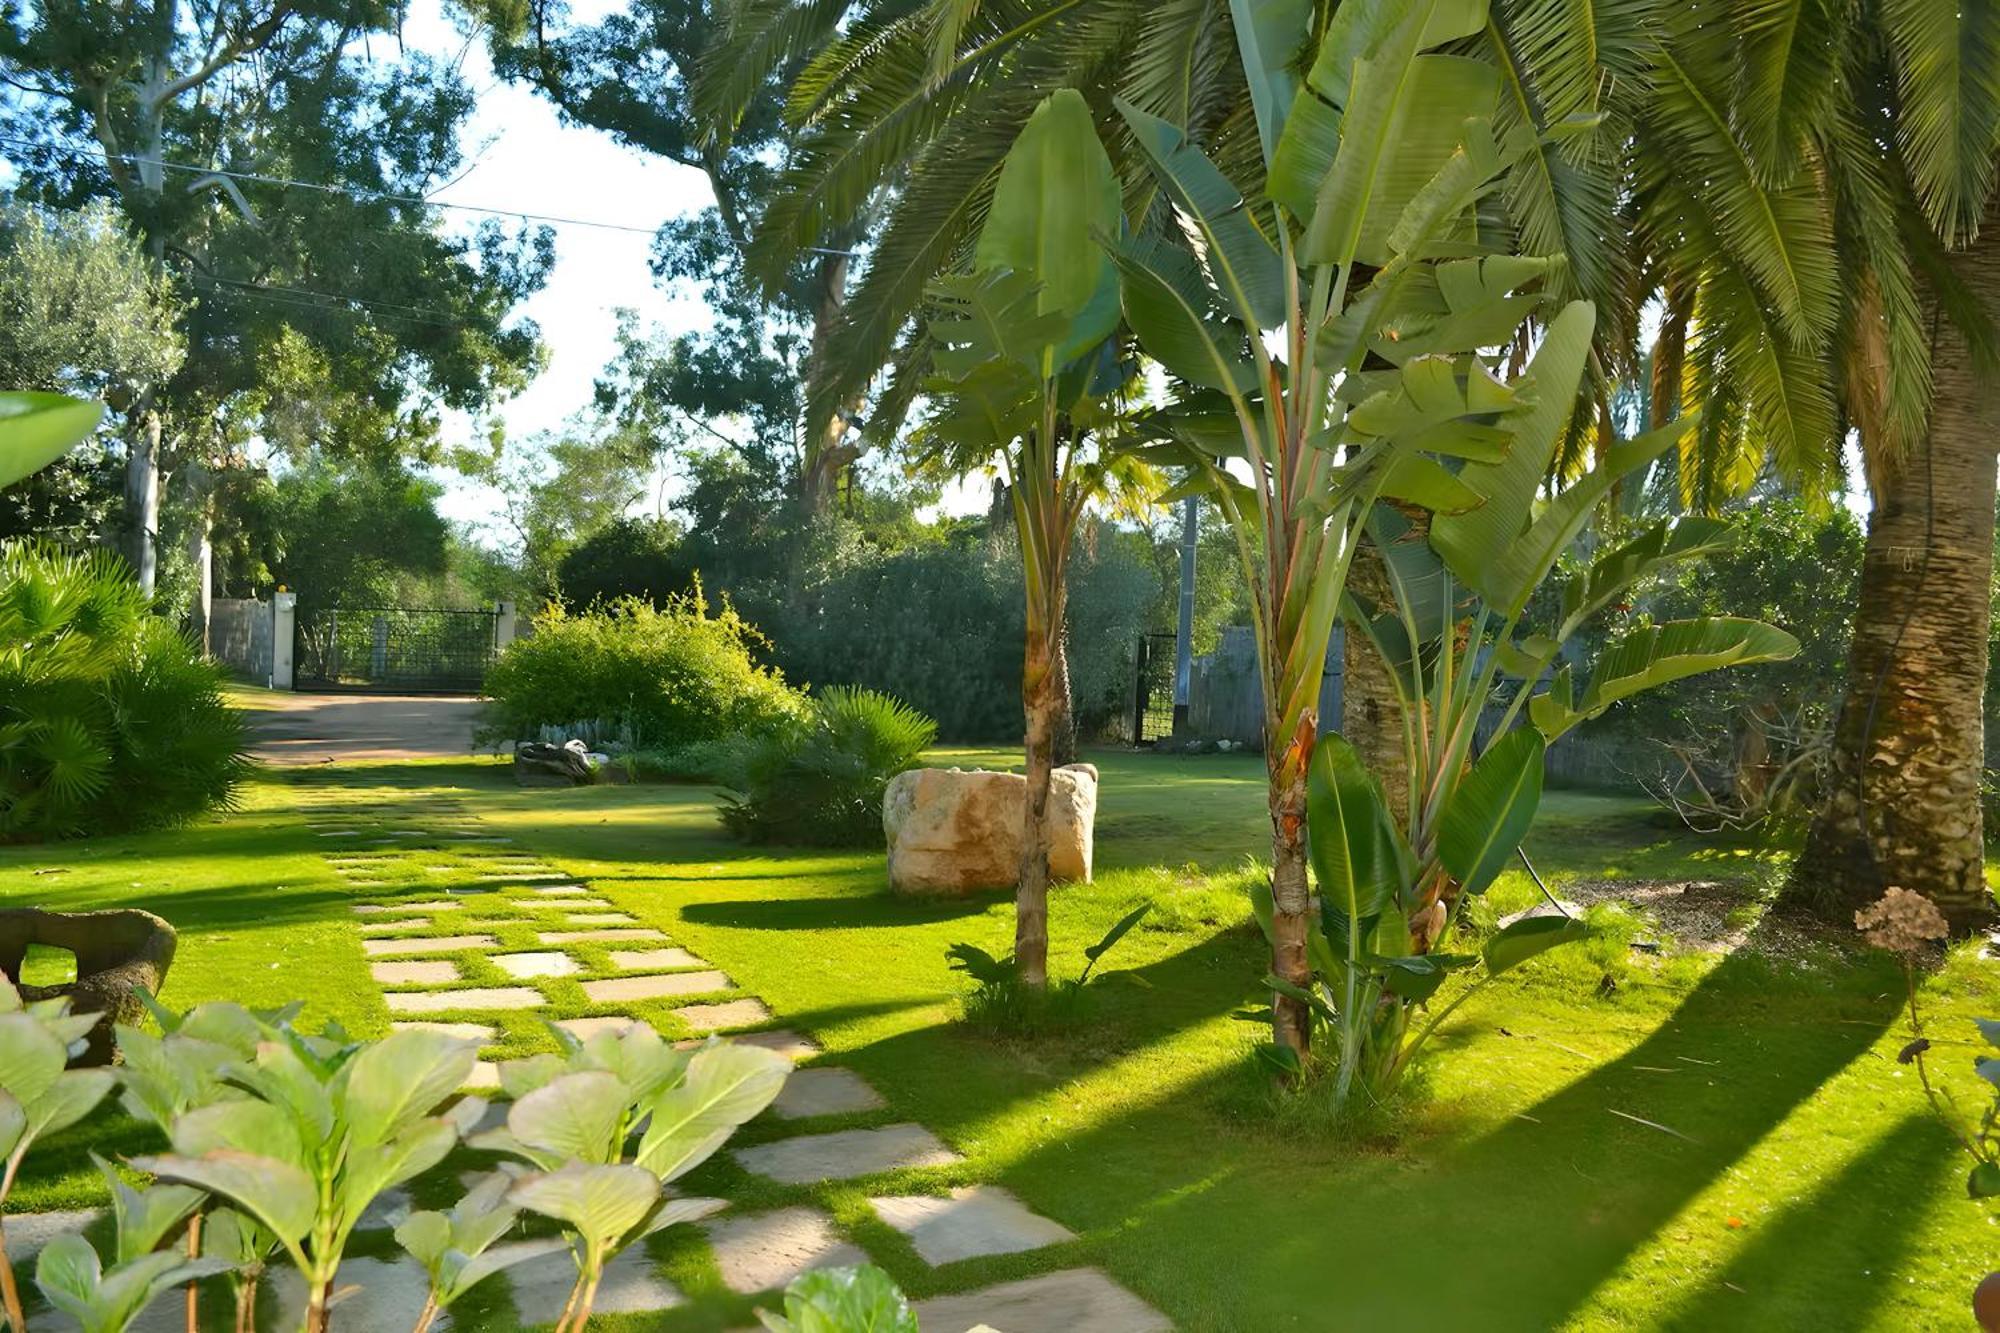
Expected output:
(1790, 1177)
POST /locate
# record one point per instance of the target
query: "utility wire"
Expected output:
(350, 192)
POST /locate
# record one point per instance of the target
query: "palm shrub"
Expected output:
(669, 675)
(108, 717)
(821, 783)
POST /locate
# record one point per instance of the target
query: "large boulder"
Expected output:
(119, 952)
(954, 830)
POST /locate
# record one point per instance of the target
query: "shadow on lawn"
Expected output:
(1512, 1230)
(846, 912)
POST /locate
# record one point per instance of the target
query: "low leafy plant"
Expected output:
(1001, 1002)
(106, 1298)
(108, 717)
(458, 1249)
(843, 1300)
(609, 1124)
(822, 783)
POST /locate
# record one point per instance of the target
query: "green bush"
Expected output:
(109, 719)
(821, 783)
(668, 676)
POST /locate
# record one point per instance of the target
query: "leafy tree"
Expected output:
(629, 557)
(563, 489)
(349, 534)
(335, 314)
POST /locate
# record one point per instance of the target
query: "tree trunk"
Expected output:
(1291, 894)
(1031, 892)
(828, 455)
(1062, 735)
(201, 552)
(1903, 806)
(1371, 717)
(142, 499)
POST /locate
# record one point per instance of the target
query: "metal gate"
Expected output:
(394, 649)
(1153, 694)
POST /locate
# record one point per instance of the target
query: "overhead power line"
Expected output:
(346, 191)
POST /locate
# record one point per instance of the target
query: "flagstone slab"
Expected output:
(389, 1209)
(29, 1233)
(718, 1017)
(485, 1077)
(388, 927)
(391, 1295)
(431, 944)
(560, 890)
(561, 904)
(826, 1090)
(583, 1029)
(760, 1251)
(641, 960)
(448, 1001)
(1066, 1302)
(629, 1286)
(604, 919)
(971, 1221)
(549, 963)
(846, 1155)
(782, 1041)
(600, 936)
(414, 972)
(427, 905)
(617, 990)
(462, 1031)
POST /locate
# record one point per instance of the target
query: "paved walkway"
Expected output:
(293, 729)
(468, 933)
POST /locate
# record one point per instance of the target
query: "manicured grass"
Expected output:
(1789, 1176)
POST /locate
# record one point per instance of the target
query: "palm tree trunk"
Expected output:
(1903, 808)
(1291, 893)
(1062, 736)
(1371, 716)
(1031, 892)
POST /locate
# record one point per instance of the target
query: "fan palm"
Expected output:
(1802, 176)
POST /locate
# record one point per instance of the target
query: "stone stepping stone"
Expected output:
(629, 1286)
(29, 1233)
(526, 965)
(716, 1017)
(561, 904)
(600, 936)
(433, 944)
(485, 1077)
(617, 990)
(1065, 1302)
(463, 1031)
(604, 919)
(560, 890)
(761, 1251)
(846, 1155)
(642, 960)
(429, 905)
(974, 1220)
(389, 1210)
(827, 1090)
(390, 927)
(391, 1294)
(782, 1040)
(583, 1029)
(449, 1001)
(422, 972)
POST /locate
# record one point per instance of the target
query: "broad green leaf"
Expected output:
(1117, 932)
(500, 1257)
(1528, 937)
(726, 1084)
(600, 1202)
(576, 1116)
(371, 1168)
(1656, 654)
(13, 1123)
(1490, 811)
(1421, 480)
(1269, 34)
(1426, 406)
(1984, 1182)
(844, 1300)
(397, 1081)
(145, 1216)
(68, 1273)
(520, 1077)
(278, 1194)
(1351, 838)
(233, 1238)
(31, 1058)
(1416, 977)
(1618, 570)
(242, 1125)
(426, 1236)
(38, 428)
(1171, 311)
(1242, 260)
(73, 1096)
(641, 1059)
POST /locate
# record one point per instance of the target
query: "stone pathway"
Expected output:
(511, 937)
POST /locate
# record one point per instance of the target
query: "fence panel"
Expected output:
(395, 648)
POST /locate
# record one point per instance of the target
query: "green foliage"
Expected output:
(38, 428)
(628, 557)
(106, 1298)
(1000, 1005)
(670, 676)
(821, 783)
(350, 534)
(842, 1300)
(457, 1248)
(108, 717)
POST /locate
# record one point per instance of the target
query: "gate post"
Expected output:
(284, 619)
(503, 625)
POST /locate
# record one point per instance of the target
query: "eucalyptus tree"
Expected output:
(1814, 188)
(1029, 378)
(334, 313)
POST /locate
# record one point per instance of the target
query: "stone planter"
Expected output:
(955, 831)
(117, 952)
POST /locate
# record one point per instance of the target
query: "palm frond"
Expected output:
(1947, 60)
(755, 42)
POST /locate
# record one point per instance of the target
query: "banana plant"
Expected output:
(1028, 378)
(326, 1125)
(38, 428)
(1330, 339)
(39, 1095)
(609, 1124)
(458, 1250)
(104, 1299)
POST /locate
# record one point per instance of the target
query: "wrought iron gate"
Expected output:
(1153, 695)
(394, 648)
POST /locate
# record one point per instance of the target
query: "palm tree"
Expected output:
(1804, 174)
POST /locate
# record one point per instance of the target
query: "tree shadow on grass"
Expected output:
(1513, 1230)
(844, 912)
(1838, 1248)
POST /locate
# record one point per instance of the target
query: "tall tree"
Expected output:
(334, 312)
(1805, 174)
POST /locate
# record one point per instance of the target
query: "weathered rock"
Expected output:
(118, 952)
(956, 830)
(540, 764)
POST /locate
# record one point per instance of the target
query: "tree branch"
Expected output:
(251, 40)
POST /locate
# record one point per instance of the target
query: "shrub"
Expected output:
(108, 718)
(668, 676)
(822, 783)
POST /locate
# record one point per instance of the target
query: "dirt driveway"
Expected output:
(343, 728)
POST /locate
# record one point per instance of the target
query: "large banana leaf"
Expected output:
(1428, 406)
(1490, 810)
(1245, 264)
(1172, 312)
(1269, 34)
(1655, 655)
(1353, 842)
(38, 428)
(1619, 569)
